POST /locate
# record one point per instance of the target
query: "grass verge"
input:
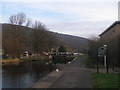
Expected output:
(103, 80)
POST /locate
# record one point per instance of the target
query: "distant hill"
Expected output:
(74, 42)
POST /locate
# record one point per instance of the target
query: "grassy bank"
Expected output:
(8, 61)
(25, 58)
(103, 80)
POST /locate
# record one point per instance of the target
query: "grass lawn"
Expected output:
(103, 80)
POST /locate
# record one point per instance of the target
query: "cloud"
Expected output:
(3, 19)
(60, 0)
(80, 19)
(84, 29)
(66, 12)
(75, 18)
(73, 12)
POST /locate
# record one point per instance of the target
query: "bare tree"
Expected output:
(28, 22)
(13, 19)
(18, 19)
(39, 25)
(21, 18)
(18, 39)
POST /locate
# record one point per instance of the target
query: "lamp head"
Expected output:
(105, 45)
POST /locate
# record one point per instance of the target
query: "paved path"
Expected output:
(72, 75)
(75, 76)
(48, 80)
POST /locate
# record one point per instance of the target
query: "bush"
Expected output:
(88, 62)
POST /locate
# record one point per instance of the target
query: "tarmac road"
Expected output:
(75, 76)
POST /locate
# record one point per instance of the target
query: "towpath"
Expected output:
(72, 75)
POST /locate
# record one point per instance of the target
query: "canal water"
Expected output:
(24, 74)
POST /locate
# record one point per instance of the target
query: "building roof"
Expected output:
(116, 22)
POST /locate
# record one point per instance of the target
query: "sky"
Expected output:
(83, 18)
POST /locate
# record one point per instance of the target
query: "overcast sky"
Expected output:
(75, 17)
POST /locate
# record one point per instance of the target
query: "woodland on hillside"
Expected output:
(32, 37)
(21, 34)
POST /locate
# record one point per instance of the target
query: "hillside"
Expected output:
(74, 42)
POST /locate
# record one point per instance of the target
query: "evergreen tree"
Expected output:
(62, 49)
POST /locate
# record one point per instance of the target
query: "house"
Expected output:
(111, 38)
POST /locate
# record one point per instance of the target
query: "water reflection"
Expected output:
(24, 74)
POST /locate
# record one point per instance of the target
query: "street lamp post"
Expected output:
(105, 58)
(102, 52)
(105, 55)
